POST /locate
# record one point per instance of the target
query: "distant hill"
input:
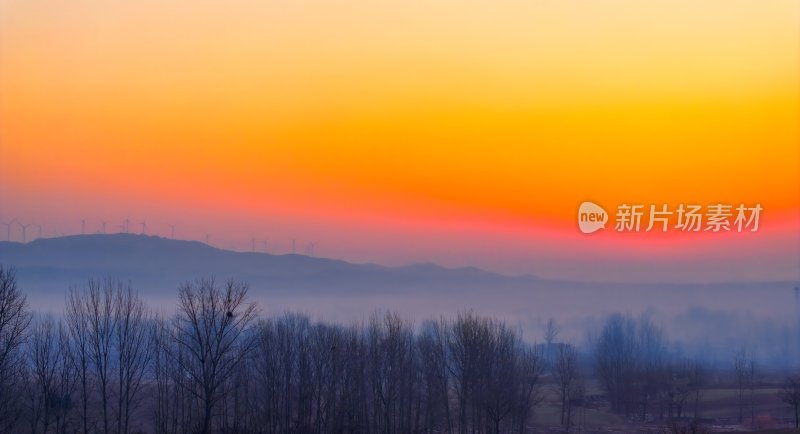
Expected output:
(156, 262)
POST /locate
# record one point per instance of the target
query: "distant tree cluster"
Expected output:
(640, 378)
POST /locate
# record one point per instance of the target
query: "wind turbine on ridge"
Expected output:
(8, 228)
(24, 229)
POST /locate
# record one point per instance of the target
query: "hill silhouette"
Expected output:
(155, 262)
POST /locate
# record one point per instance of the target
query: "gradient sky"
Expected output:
(462, 133)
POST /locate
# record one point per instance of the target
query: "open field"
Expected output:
(718, 412)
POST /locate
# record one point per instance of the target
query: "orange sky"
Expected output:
(403, 131)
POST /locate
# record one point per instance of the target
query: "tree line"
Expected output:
(110, 364)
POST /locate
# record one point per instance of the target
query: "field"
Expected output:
(718, 412)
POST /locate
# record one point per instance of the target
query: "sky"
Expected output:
(455, 132)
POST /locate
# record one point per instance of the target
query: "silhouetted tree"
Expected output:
(551, 331)
(615, 359)
(100, 310)
(213, 334)
(390, 373)
(432, 349)
(744, 366)
(77, 323)
(133, 347)
(790, 395)
(51, 379)
(697, 373)
(651, 364)
(494, 375)
(14, 319)
(529, 369)
(630, 359)
(568, 380)
(110, 345)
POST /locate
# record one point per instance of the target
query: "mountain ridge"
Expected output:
(145, 257)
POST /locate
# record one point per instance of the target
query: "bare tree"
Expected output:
(630, 359)
(50, 379)
(751, 382)
(39, 372)
(500, 369)
(66, 383)
(790, 395)
(675, 392)
(100, 308)
(213, 328)
(468, 339)
(163, 373)
(530, 367)
(697, 380)
(109, 347)
(568, 381)
(495, 375)
(14, 319)
(133, 349)
(551, 331)
(652, 373)
(744, 366)
(390, 370)
(615, 358)
(432, 348)
(77, 319)
(173, 412)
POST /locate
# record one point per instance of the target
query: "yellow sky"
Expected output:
(501, 113)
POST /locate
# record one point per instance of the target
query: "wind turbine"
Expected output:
(125, 224)
(172, 228)
(143, 224)
(253, 243)
(207, 238)
(83, 227)
(40, 230)
(103, 224)
(265, 247)
(8, 228)
(292, 245)
(24, 229)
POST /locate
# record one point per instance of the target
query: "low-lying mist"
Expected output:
(708, 321)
